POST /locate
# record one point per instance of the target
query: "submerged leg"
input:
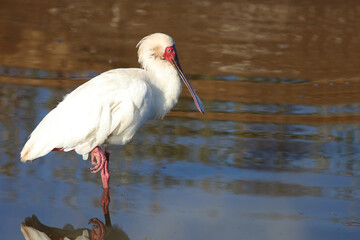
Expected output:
(105, 201)
(98, 230)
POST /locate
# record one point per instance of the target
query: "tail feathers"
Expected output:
(34, 149)
(25, 155)
(39, 142)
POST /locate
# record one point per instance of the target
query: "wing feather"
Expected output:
(106, 105)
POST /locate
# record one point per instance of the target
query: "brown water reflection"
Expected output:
(285, 38)
(275, 155)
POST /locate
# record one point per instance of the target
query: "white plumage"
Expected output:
(108, 106)
(111, 107)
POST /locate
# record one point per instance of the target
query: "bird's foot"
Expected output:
(98, 160)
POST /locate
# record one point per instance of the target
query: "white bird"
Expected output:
(111, 107)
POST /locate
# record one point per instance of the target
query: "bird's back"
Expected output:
(110, 106)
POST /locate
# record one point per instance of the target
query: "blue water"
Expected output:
(184, 178)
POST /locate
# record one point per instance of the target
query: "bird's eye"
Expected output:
(169, 49)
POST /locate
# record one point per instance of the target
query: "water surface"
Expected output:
(276, 155)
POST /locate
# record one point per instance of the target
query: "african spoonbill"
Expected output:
(111, 107)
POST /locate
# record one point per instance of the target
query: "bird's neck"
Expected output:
(166, 87)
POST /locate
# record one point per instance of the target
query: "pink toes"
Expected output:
(98, 159)
(101, 163)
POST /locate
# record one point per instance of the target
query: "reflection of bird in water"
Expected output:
(112, 106)
(33, 229)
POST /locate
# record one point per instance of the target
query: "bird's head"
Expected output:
(160, 48)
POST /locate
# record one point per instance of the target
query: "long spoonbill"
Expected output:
(111, 107)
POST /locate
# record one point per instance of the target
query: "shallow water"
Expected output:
(276, 155)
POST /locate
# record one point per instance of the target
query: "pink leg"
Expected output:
(58, 149)
(105, 175)
(101, 162)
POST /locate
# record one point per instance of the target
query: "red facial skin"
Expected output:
(170, 54)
